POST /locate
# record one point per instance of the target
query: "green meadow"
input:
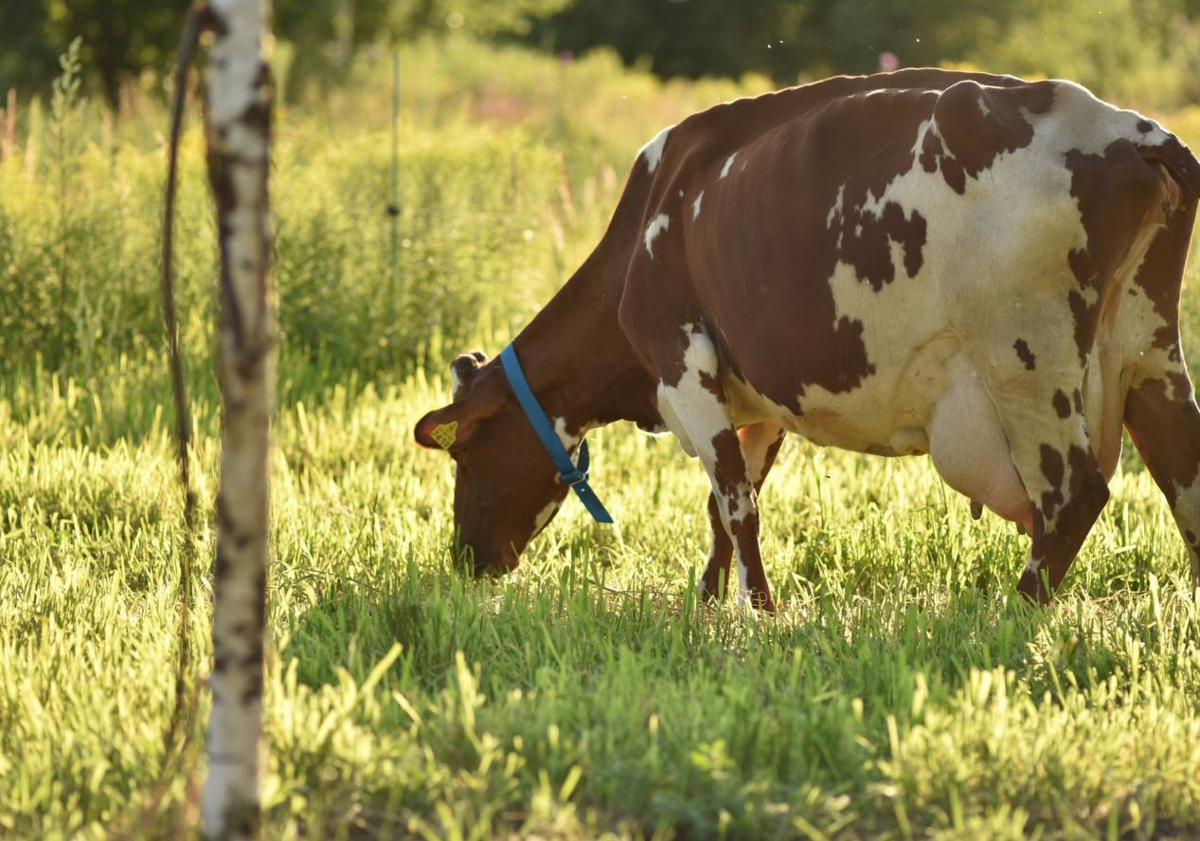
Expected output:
(901, 692)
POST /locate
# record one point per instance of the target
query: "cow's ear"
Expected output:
(463, 370)
(477, 397)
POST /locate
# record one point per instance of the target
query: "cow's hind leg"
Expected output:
(692, 401)
(760, 445)
(1160, 408)
(1041, 412)
(1164, 423)
(1053, 455)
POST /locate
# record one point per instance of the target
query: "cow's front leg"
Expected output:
(691, 400)
(760, 445)
(1164, 423)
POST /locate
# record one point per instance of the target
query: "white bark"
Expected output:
(238, 94)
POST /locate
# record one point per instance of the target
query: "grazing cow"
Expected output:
(975, 267)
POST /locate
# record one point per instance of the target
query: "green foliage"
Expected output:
(506, 182)
(1143, 51)
(1126, 49)
(327, 34)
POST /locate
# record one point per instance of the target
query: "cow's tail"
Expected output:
(1179, 163)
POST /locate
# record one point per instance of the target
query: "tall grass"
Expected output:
(898, 694)
(508, 169)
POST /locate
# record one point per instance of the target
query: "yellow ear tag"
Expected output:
(445, 434)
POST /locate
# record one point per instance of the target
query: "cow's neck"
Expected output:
(577, 360)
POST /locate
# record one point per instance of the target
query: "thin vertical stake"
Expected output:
(394, 207)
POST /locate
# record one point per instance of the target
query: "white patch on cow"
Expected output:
(696, 205)
(728, 166)
(835, 212)
(568, 440)
(1093, 124)
(681, 194)
(657, 225)
(653, 150)
(543, 516)
(983, 106)
(1033, 565)
(690, 410)
(456, 383)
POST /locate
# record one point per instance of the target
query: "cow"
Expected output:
(975, 267)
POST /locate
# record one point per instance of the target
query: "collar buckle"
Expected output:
(575, 477)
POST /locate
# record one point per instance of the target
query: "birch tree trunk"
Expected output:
(237, 124)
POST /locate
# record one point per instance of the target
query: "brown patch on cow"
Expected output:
(1161, 276)
(934, 155)
(1061, 404)
(1166, 431)
(1025, 354)
(1181, 385)
(1054, 471)
(1144, 126)
(731, 466)
(1055, 549)
(745, 533)
(1116, 192)
(1077, 399)
(978, 124)
(712, 384)
(1178, 161)
(672, 364)
(866, 242)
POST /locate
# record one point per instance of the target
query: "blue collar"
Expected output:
(568, 473)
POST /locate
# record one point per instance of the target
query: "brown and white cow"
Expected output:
(971, 266)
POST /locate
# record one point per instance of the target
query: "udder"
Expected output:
(970, 451)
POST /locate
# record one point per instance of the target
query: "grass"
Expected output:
(900, 693)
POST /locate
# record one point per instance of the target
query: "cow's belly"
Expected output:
(935, 404)
(933, 401)
(888, 413)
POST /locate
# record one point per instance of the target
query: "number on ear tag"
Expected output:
(445, 434)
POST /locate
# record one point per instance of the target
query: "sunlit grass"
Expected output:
(899, 692)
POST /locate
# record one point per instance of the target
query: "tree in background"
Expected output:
(327, 33)
(238, 95)
(124, 38)
(1139, 49)
(120, 38)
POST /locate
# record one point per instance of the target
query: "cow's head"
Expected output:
(506, 490)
